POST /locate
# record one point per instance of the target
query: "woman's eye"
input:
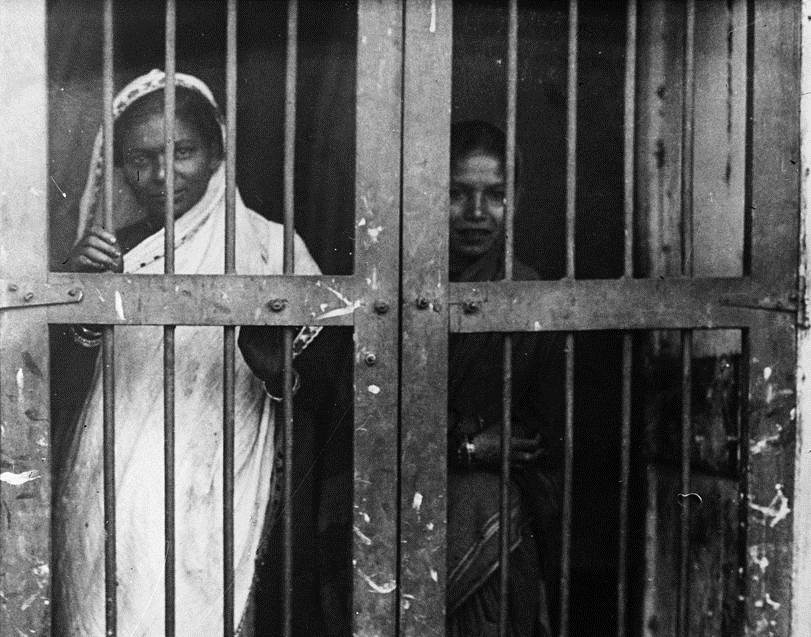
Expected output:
(456, 194)
(183, 153)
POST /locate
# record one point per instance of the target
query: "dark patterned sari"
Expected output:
(475, 396)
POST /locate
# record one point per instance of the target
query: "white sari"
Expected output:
(78, 519)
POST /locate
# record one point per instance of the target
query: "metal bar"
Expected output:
(290, 133)
(688, 108)
(169, 474)
(571, 218)
(108, 389)
(504, 519)
(287, 609)
(509, 160)
(108, 345)
(571, 140)
(518, 306)
(682, 625)
(424, 382)
(506, 421)
(228, 480)
(629, 157)
(625, 477)
(107, 113)
(629, 128)
(229, 332)
(169, 330)
(169, 132)
(231, 137)
(566, 513)
(182, 299)
(288, 265)
(620, 304)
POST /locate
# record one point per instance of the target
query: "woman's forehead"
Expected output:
(478, 166)
(147, 129)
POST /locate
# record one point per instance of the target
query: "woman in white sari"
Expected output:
(199, 247)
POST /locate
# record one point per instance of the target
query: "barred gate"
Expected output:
(402, 309)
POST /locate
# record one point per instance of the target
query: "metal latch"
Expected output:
(787, 303)
(17, 294)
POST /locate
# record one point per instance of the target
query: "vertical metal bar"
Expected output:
(229, 331)
(682, 623)
(169, 330)
(566, 513)
(629, 126)
(571, 139)
(571, 207)
(682, 626)
(228, 481)
(688, 105)
(108, 346)
(288, 268)
(506, 431)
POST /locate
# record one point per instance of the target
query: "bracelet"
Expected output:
(296, 385)
(85, 337)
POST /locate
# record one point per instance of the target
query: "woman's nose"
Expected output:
(160, 169)
(475, 206)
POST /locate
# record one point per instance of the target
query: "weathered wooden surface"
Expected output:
(377, 246)
(424, 400)
(25, 484)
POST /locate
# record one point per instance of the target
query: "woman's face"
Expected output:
(477, 194)
(144, 164)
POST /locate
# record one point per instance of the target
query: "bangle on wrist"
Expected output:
(85, 336)
(296, 385)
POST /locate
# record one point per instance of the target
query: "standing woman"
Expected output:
(475, 370)
(199, 204)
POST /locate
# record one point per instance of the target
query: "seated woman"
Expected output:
(475, 369)
(199, 204)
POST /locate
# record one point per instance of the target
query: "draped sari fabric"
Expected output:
(78, 518)
(475, 394)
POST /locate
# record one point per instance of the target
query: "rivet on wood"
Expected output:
(277, 305)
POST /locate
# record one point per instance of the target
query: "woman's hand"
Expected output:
(262, 349)
(97, 251)
(484, 448)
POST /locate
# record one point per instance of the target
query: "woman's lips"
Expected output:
(162, 196)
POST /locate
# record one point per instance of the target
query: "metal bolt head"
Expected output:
(74, 292)
(12, 287)
(471, 307)
(28, 297)
(381, 307)
(277, 305)
(422, 303)
(370, 359)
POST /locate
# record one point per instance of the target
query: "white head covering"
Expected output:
(153, 81)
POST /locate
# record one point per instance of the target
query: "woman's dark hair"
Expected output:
(191, 107)
(477, 136)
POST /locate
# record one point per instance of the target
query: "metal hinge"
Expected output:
(20, 294)
(791, 303)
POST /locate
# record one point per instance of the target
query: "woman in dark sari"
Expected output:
(477, 202)
(474, 421)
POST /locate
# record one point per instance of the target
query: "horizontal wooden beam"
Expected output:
(635, 304)
(211, 300)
